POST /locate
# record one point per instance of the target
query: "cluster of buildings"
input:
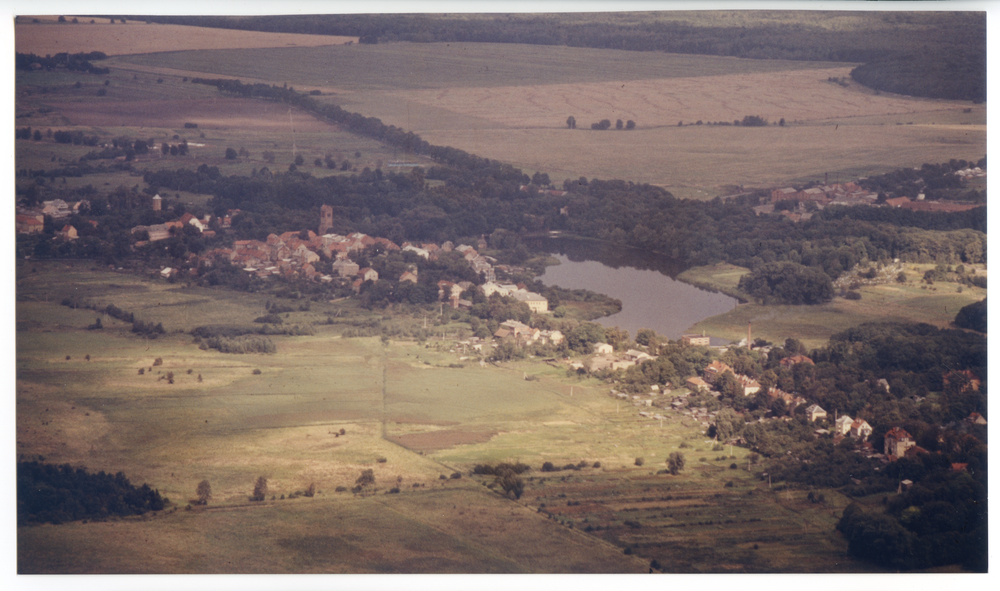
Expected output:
(605, 358)
(527, 335)
(536, 302)
(851, 194)
(31, 220)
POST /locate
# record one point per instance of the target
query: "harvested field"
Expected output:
(511, 103)
(212, 113)
(798, 96)
(49, 37)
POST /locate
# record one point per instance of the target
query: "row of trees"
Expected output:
(602, 124)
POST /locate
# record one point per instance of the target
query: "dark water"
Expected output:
(650, 296)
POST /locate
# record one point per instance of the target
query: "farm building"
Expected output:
(699, 340)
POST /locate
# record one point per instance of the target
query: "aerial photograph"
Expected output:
(658, 291)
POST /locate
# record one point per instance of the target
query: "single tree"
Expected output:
(259, 489)
(619, 124)
(366, 480)
(675, 462)
(204, 492)
(231, 154)
(630, 124)
(571, 122)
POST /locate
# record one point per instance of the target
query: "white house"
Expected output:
(603, 349)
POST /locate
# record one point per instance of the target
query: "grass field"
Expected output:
(910, 302)
(414, 413)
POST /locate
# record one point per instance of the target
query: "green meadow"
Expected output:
(321, 410)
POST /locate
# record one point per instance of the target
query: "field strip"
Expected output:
(799, 95)
(136, 37)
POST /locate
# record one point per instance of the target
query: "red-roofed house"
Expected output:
(715, 370)
(27, 224)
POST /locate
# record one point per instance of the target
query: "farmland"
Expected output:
(510, 102)
(413, 413)
(418, 411)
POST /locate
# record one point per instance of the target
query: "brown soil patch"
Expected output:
(211, 113)
(438, 440)
(138, 37)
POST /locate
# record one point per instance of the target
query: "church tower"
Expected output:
(325, 219)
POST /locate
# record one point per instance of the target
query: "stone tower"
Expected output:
(325, 219)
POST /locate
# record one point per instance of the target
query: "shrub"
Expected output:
(639, 461)
(456, 475)
(256, 372)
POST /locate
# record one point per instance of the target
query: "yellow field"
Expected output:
(824, 131)
(49, 38)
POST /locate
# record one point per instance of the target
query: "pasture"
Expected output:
(413, 413)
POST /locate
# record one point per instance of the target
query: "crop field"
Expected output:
(51, 37)
(511, 102)
(414, 413)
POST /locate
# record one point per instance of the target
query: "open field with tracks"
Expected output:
(414, 413)
(511, 102)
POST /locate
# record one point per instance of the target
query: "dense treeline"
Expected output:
(242, 344)
(935, 181)
(956, 74)
(938, 55)
(56, 494)
(972, 316)
(972, 219)
(79, 62)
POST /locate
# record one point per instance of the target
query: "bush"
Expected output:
(639, 461)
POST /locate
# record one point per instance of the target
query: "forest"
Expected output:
(55, 494)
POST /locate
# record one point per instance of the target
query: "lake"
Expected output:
(650, 296)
